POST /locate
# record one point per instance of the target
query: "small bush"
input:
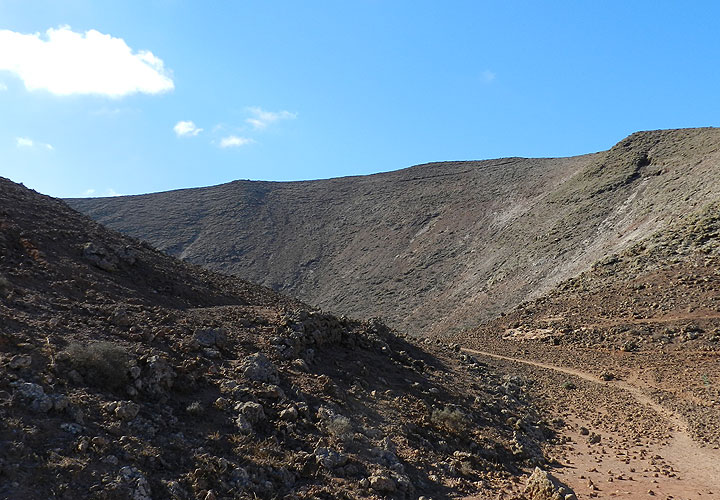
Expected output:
(195, 408)
(5, 286)
(450, 419)
(102, 364)
(339, 427)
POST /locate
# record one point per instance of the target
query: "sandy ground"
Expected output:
(669, 466)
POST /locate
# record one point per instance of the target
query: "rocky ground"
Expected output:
(128, 374)
(628, 351)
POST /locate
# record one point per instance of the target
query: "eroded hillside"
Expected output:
(629, 349)
(436, 247)
(128, 374)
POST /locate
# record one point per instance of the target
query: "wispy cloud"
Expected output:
(113, 111)
(26, 142)
(186, 129)
(2, 86)
(261, 118)
(233, 141)
(64, 62)
(89, 193)
(487, 76)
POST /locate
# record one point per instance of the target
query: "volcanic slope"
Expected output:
(436, 247)
(126, 373)
(639, 332)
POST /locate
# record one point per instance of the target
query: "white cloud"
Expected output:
(93, 193)
(64, 62)
(112, 111)
(261, 118)
(186, 128)
(26, 142)
(488, 76)
(2, 86)
(233, 141)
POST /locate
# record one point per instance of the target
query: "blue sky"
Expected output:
(100, 97)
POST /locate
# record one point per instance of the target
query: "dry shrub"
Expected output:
(339, 427)
(195, 408)
(5, 286)
(102, 364)
(450, 419)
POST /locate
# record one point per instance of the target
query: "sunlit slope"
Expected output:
(434, 247)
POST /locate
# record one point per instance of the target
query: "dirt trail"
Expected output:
(694, 469)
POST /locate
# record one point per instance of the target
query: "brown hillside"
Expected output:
(125, 373)
(434, 247)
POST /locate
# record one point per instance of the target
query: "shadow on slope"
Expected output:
(128, 374)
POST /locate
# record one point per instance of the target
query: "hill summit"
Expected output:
(438, 247)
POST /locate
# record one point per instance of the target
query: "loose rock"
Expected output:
(126, 410)
(259, 368)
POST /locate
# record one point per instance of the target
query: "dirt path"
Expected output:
(677, 469)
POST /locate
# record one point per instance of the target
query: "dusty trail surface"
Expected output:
(625, 461)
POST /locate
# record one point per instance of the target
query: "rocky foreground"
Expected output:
(128, 374)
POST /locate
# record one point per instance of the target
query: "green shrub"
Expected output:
(101, 364)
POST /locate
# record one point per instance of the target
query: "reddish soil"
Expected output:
(671, 466)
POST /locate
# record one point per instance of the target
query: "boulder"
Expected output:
(243, 426)
(382, 484)
(253, 412)
(33, 395)
(259, 368)
(330, 458)
(137, 485)
(211, 337)
(160, 375)
(126, 410)
(120, 317)
(290, 414)
(20, 361)
(60, 402)
(100, 257)
(543, 486)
